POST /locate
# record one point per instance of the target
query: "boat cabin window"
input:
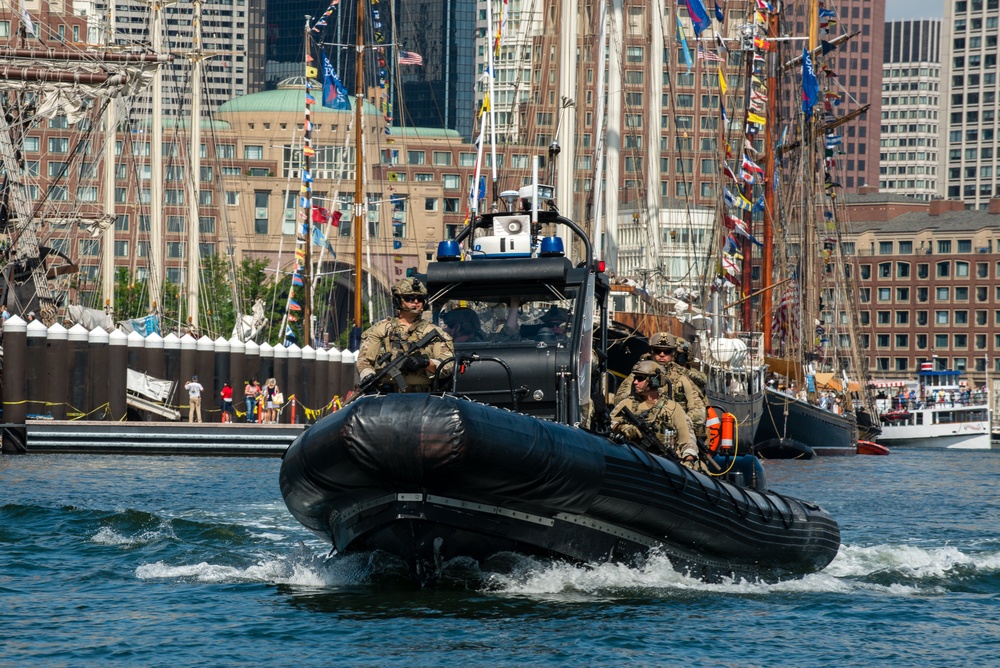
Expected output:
(543, 315)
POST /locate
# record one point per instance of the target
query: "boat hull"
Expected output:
(430, 478)
(786, 419)
(927, 428)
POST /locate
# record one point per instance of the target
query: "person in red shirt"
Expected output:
(228, 414)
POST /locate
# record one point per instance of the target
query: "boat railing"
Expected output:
(895, 404)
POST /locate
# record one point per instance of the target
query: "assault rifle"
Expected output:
(394, 369)
(647, 437)
(649, 440)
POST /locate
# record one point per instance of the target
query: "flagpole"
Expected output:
(767, 258)
(307, 194)
(359, 186)
(746, 270)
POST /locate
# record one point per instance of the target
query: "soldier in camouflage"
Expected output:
(662, 347)
(664, 415)
(386, 340)
(683, 358)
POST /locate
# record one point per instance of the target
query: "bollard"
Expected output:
(293, 409)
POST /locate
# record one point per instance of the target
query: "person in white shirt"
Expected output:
(194, 389)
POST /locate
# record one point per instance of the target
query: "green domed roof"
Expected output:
(288, 97)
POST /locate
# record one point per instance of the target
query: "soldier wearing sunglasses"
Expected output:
(390, 338)
(662, 349)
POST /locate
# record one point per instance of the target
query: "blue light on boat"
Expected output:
(552, 247)
(448, 251)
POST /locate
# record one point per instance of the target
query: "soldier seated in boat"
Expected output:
(662, 348)
(384, 341)
(650, 401)
(463, 324)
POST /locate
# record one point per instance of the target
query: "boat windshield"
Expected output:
(543, 315)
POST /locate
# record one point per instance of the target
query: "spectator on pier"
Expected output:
(250, 394)
(228, 413)
(271, 401)
(194, 389)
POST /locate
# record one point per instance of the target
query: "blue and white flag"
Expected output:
(810, 84)
(334, 93)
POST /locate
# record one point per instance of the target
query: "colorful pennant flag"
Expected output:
(699, 17)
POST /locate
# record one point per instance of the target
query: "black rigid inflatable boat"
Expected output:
(512, 453)
(429, 478)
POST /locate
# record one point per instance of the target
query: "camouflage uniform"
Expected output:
(661, 415)
(394, 336)
(685, 393)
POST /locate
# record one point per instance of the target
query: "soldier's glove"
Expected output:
(366, 374)
(415, 363)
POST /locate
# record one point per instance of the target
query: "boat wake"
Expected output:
(895, 570)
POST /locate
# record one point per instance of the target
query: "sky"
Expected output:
(896, 10)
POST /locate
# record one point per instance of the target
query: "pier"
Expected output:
(80, 390)
(159, 438)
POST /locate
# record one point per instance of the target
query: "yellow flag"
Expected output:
(312, 72)
(723, 86)
(393, 176)
(754, 118)
(486, 105)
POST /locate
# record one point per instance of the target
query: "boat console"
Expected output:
(540, 317)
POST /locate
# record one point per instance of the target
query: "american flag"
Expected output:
(410, 58)
(710, 56)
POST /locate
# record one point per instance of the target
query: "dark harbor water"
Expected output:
(180, 561)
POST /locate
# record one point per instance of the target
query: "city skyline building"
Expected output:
(227, 35)
(858, 79)
(911, 97)
(969, 99)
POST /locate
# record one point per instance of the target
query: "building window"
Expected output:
(175, 224)
(414, 157)
(902, 295)
(260, 212)
(961, 294)
(905, 247)
(944, 247)
(921, 342)
(943, 269)
(941, 341)
(430, 204)
(175, 249)
(885, 248)
(902, 317)
(881, 340)
(902, 341)
(902, 270)
(885, 269)
(882, 317)
(253, 152)
(442, 158)
(941, 317)
(961, 270)
(961, 317)
(923, 270)
(866, 272)
(942, 294)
